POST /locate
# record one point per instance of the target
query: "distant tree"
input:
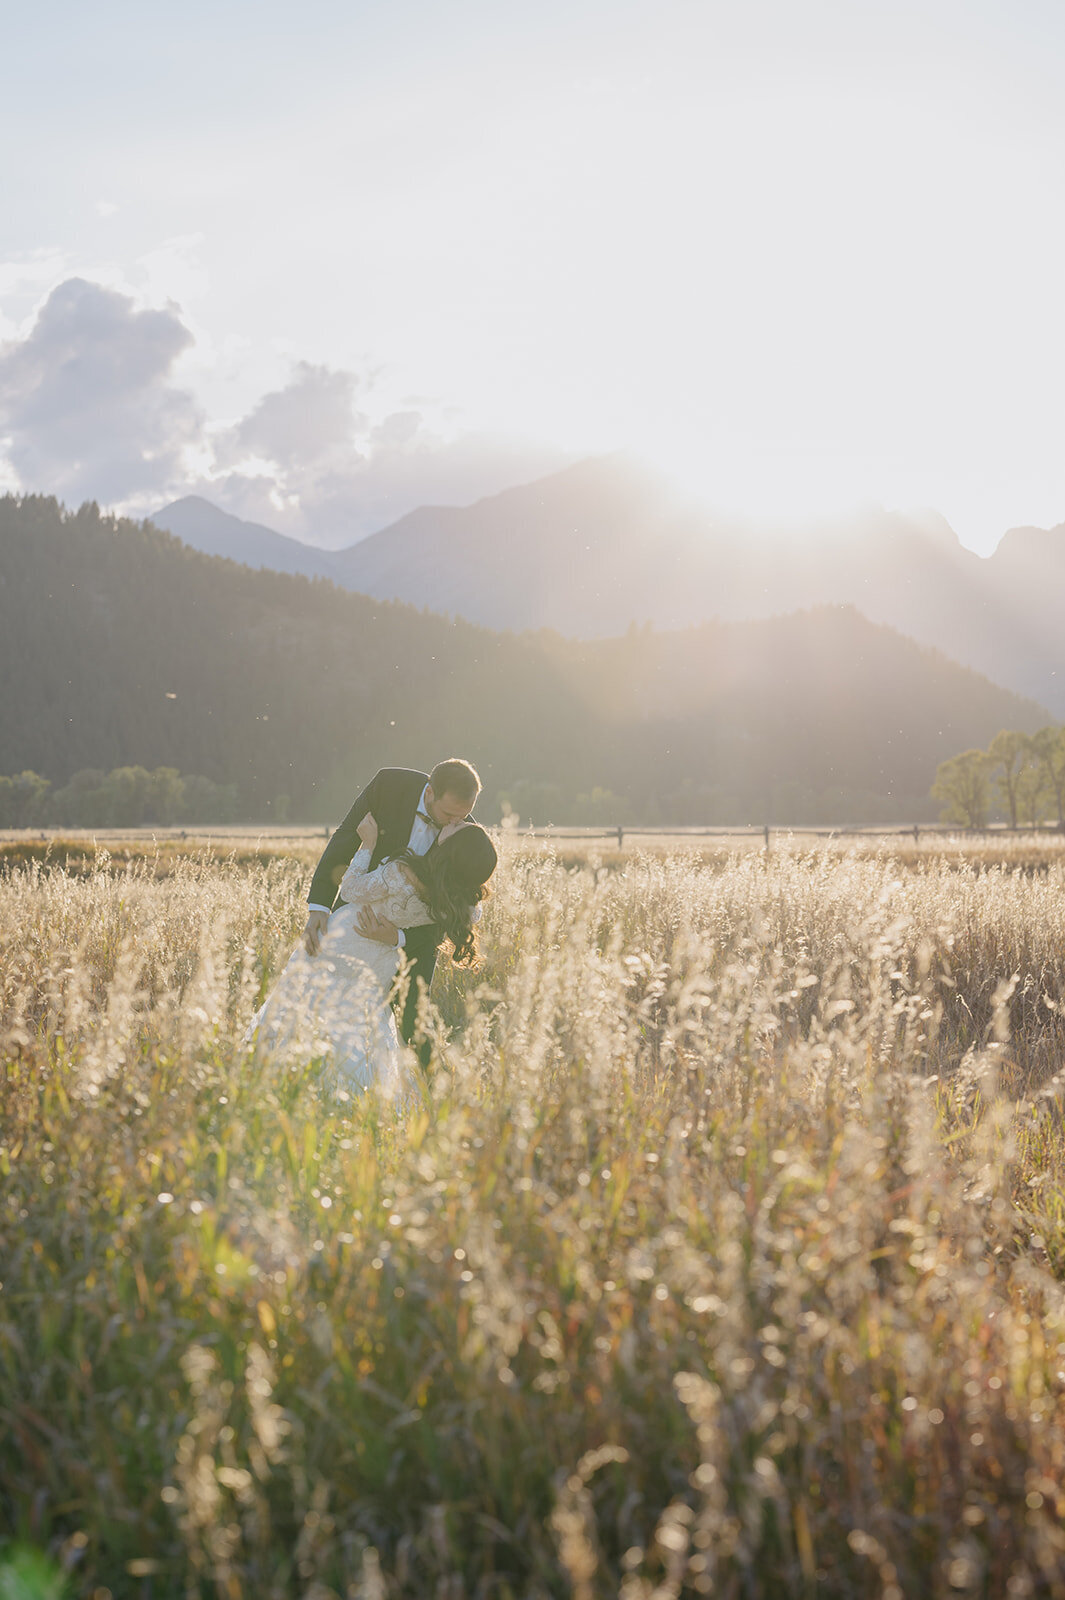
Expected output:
(1049, 747)
(165, 796)
(1033, 792)
(127, 796)
(23, 800)
(1011, 751)
(83, 802)
(207, 801)
(961, 783)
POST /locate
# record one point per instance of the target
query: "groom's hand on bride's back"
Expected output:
(376, 927)
(317, 922)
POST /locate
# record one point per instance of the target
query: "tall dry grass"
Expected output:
(724, 1258)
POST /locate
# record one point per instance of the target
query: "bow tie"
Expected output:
(423, 816)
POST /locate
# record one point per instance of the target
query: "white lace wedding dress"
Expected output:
(335, 1004)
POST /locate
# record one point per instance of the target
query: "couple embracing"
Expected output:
(407, 868)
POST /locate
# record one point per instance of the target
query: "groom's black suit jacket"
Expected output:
(392, 795)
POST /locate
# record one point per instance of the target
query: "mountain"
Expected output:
(603, 544)
(119, 645)
(1027, 576)
(205, 527)
(586, 551)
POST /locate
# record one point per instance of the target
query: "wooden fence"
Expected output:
(618, 833)
(621, 831)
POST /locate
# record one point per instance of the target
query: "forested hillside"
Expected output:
(121, 646)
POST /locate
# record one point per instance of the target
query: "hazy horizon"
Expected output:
(797, 523)
(322, 270)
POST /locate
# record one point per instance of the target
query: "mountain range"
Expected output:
(604, 544)
(121, 645)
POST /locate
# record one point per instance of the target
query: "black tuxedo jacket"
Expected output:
(392, 795)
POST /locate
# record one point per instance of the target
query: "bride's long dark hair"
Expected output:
(454, 878)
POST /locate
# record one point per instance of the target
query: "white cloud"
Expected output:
(85, 397)
(89, 409)
(310, 460)
(309, 424)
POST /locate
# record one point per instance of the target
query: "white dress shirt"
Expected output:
(422, 834)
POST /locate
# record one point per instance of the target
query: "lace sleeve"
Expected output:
(361, 886)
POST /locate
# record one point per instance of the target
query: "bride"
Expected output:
(336, 1004)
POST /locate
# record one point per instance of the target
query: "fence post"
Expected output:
(916, 834)
(765, 830)
(621, 836)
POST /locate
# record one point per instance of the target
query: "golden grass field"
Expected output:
(724, 1257)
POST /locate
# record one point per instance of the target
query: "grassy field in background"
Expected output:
(724, 1255)
(160, 850)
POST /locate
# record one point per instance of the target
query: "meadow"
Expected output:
(724, 1255)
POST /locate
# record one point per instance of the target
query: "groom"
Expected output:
(409, 808)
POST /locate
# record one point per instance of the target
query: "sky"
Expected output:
(325, 263)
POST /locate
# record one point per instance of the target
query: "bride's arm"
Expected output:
(361, 886)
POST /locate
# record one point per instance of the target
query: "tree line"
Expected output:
(1024, 773)
(126, 797)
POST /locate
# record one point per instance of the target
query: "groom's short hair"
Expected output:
(456, 777)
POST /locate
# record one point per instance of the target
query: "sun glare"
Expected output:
(749, 480)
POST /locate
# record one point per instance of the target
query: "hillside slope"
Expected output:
(602, 544)
(199, 523)
(120, 645)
